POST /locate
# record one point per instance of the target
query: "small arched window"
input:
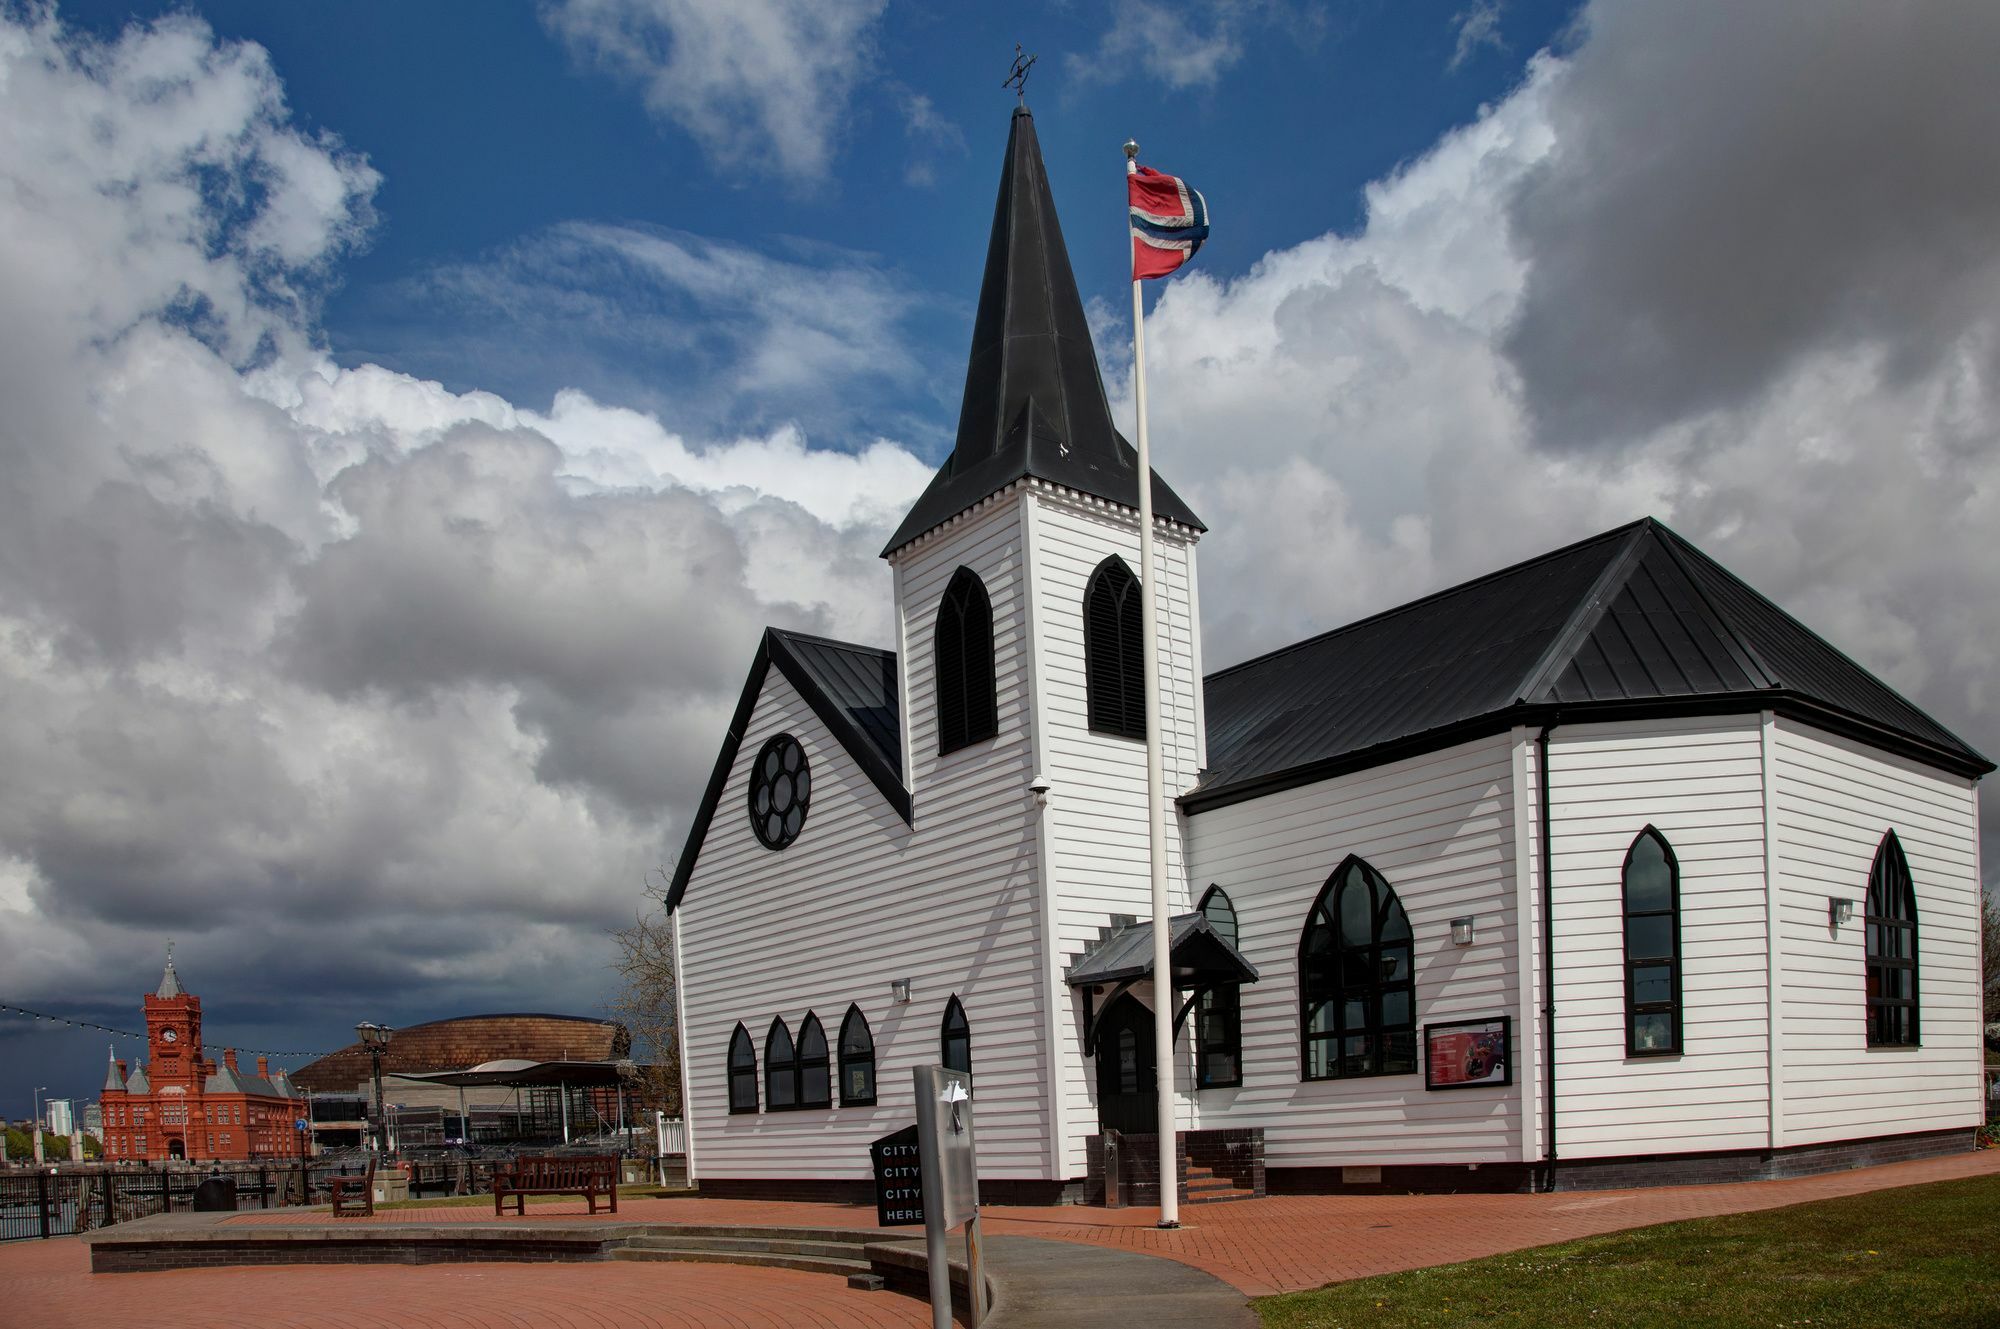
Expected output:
(1113, 657)
(1892, 948)
(955, 1038)
(962, 656)
(815, 1079)
(857, 1060)
(1652, 947)
(1218, 1022)
(742, 1072)
(781, 1068)
(1357, 980)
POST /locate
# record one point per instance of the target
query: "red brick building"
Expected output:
(182, 1105)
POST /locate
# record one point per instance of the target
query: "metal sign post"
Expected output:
(951, 1185)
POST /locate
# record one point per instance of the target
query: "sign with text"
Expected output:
(1465, 1053)
(899, 1179)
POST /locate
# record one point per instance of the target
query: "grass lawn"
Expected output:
(1922, 1257)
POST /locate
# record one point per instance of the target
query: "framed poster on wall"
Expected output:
(1464, 1054)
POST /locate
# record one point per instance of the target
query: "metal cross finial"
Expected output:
(1017, 77)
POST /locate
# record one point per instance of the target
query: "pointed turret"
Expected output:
(1034, 404)
(113, 1079)
(170, 982)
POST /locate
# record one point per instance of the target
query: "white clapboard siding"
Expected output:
(951, 903)
(1096, 818)
(1834, 800)
(1700, 783)
(1440, 828)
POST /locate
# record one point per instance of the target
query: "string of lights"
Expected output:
(9, 1008)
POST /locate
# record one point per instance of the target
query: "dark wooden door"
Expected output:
(1126, 1090)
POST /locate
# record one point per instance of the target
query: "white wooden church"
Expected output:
(1598, 869)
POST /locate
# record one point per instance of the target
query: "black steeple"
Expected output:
(1034, 404)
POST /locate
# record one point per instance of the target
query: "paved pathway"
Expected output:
(1285, 1243)
(48, 1285)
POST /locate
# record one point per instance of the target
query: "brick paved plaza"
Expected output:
(1279, 1244)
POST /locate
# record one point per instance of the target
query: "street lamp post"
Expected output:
(375, 1038)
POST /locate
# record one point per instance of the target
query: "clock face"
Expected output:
(170, 1035)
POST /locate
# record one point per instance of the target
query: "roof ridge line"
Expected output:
(1674, 544)
(1422, 600)
(790, 634)
(1583, 619)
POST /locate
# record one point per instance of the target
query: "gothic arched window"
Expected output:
(815, 1089)
(1218, 1021)
(1892, 948)
(955, 1038)
(857, 1060)
(962, 657)
(1113, 655)
(742, 1072)
(1652, 881)
(781, 1068)
(1357, 980)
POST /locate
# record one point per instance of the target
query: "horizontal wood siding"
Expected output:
(860, 899)
(1441, 829)
(1700, 782)
(1097, 803)
(1835, 800)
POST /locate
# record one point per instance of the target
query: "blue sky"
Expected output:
(411, 414)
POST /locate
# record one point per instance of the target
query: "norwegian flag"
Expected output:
(1169, 222)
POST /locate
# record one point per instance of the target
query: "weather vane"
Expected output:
(1017, 77)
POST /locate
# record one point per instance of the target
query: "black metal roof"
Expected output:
(852, 689)
(1633, 621)
(1034, 404)
(1198, 954)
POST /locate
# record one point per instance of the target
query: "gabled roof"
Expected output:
(852, 689)
(1635, 621)
(225, 1080)
(138, 1083)
(1198, 954)
(1034, 403)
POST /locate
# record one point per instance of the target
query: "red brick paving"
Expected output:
(1285, 1243)
(48, 1285)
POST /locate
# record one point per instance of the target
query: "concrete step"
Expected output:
(845, 1236)
(778, 1243)
(812, 1264)
(1217, 1197)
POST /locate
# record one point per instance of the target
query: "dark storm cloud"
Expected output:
(1736, 186)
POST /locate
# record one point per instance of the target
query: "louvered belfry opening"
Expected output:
(1113, 659)
(967, 710)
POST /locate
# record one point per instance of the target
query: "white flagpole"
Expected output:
(1156, 829)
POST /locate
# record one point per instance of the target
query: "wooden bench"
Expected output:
(587, 1175)
(353, 1197)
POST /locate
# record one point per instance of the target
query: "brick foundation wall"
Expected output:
(1759, 1164)
(1237, 1154)
(992, 1190)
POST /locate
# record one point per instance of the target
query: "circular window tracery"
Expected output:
(780, 792)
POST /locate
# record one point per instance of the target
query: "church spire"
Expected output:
(112, 1079)
(170, 982)
(1034, 404)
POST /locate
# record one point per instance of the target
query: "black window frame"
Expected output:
(1324, 981)
(1218, 1013)
(740, 1070)
(810, 1059)
(954, 1012)
(760, 782)
(780, 1070)
(967, 696)
(1892, 890)
(1635, 1009)
(1114, 660)
(860, 1055)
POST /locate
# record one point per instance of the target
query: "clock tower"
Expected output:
(173, 1033)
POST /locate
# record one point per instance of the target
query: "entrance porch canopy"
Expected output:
(1198, 955)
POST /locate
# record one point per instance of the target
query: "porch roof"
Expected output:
(1199, 955)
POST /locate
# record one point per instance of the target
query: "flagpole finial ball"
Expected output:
(1131, 147)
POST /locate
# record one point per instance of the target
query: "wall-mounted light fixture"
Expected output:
(1461, 931)
(1838, 911)
(899, 991)
(1038, 785)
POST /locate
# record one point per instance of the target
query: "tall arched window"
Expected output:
(1892, 948)
(815, 1080)
(1113, 658)
(857, 1060)
(962, 655)
(1357, 985)
(742, 1072)
(1652, 947)
(1218, 1024)
(781, 1068)
(955, 1038)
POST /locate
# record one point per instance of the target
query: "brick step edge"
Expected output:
(1217, 1197)
(825, 1250)
(771, 1260)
